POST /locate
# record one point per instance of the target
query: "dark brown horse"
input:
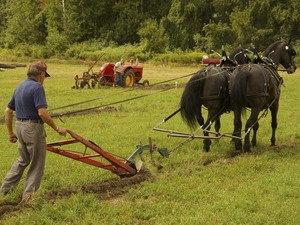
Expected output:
(257, 87)
(208, 88)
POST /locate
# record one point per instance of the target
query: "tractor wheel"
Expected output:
(103, 81)
(128, 78)
(145, 83)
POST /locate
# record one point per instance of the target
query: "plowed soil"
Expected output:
(106, 190)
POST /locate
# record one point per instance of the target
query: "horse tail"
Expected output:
(191, 103)
(238, 89)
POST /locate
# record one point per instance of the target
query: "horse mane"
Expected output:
(236, 50)
(273, 46)
(235, 55)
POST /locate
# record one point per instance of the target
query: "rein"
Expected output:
(108, 104)
(59, 115)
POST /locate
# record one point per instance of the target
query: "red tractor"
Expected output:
(132, 74)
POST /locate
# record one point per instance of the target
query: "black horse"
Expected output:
(257, 87)
(208, 88)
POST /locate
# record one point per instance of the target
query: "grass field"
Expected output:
(194, 187)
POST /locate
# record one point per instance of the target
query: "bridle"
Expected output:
(291, 53)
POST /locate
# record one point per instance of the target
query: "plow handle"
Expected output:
(91, 66)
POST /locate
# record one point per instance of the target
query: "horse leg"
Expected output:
(206, 127)
(217, 125)
(237, 129)
(250, 122)
(255, 128)
(274, 110)
(206, 142)
(200, 120)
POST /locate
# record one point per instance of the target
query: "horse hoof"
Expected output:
(205, 149)
(236, 153)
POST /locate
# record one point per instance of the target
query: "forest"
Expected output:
(63, 28)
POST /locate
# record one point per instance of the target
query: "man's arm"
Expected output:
(45, 116)
(9, 114)
(115, 67)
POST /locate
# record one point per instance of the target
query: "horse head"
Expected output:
(226, 61)
(282, 52)
(239, 55)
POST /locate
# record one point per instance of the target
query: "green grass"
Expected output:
(194, 187)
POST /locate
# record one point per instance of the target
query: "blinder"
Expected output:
(292, 53)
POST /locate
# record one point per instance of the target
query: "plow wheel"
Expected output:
(128, 79)
(77, 81)
(94, 82)
(103, 81)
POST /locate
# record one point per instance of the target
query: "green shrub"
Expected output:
(180, 58)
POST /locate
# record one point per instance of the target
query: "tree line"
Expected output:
(53, 27)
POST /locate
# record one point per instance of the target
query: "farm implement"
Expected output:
(92, 154)
(131, 74)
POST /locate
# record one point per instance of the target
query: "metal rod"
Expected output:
(191, 136)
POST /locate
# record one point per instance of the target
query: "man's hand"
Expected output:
(62, 131)
(12, 138)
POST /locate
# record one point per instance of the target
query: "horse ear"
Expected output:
(290, 40)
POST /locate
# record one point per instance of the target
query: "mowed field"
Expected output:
(193, 187)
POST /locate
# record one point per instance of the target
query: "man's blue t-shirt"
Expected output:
(28, 97)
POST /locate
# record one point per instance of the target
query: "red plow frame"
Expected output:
(120, 166)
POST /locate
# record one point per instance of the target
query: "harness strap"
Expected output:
(258, 95)
(214, 97)
(274, 74)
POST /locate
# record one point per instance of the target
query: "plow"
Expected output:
(88, 152)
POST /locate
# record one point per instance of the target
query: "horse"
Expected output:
(209, 88)
(257, 87)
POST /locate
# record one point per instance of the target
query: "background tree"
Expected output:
(286, 17)
(217, 35)
(25, 23)
(2, 21)
(127, 22)
(153, 37)
(56, 26)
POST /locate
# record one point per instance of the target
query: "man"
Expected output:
(30, 106)
(118, 68)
